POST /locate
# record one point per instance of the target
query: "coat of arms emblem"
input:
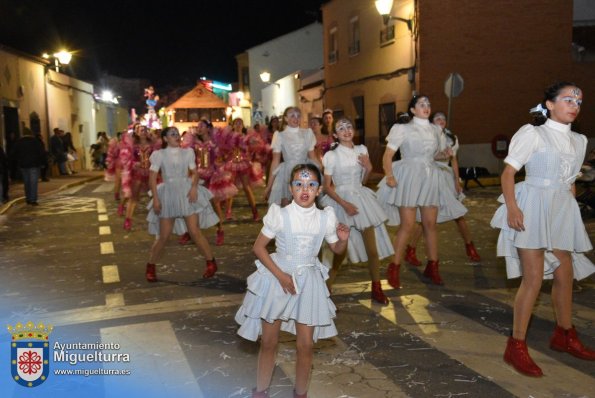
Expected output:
(30, 353)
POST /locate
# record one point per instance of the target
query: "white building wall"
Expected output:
(298, 50)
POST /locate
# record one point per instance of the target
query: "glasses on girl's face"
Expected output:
(572, 101)
(301, 185)
(424, 104)
(293, 115)
(173, 134)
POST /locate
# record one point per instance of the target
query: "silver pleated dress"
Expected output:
(551, 214)
(298, 234)
(174, 164)
(342, 164)
(294, 144)
(417, 174)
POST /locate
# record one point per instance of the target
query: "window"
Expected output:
(387, 116)
(193, 115)
(387, 35)
(583, 43)
(354, 36)
(333, 53)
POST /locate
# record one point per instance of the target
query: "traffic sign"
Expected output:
(453, 86)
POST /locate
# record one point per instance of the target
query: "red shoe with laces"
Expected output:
(432, 273)
(392, 275)
(211, 269)
(566, 340)
(220, 237)
(150, 273)
(378, 294)
(410, 256)
(255, 215)
(185, 239)
(472, 252)
(517, 355)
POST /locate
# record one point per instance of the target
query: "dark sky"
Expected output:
(169, 42)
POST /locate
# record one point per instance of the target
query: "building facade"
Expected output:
(505, 55)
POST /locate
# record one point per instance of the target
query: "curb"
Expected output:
(6, 206)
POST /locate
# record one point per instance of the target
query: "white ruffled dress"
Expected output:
(294, 144)
(174, 164)
(298, 234)
(417, 173)
(552, 156)
(343, 166)
(450, 207)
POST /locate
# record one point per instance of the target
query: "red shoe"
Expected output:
(517, 355)
(228, 215)
(211, 269)
(378, 294)
(185, 239)
(121, 209)
(255, 215)
(472, 252)
(410, 256)
(220, 237)
(432, 273)
(127, 224)
(150, 273)
(567, 341)
(392, 275)
(296, 395)
(260, 394)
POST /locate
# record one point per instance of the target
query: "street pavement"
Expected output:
(69, 263)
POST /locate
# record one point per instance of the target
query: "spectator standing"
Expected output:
(71, 155)
(45, 166)
(29, 155)
(57, 151)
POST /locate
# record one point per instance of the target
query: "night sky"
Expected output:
(168, 42)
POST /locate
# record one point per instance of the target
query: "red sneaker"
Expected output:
(220, 237)
(185, 239)
(472, 252)
(150, 273)
(121, 209)
(127, 224)
(517, 355)
(392, 275)
(211, 269)
(432, 273)
(410, 256)
(566, 340)
(378, 294)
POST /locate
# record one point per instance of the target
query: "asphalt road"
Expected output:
(68, 262)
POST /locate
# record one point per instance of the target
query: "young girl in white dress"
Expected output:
(297, 146)
(287, 291)
(412, 184)
(178, 196)
(541, 231)
(346, 169)
(450, 189)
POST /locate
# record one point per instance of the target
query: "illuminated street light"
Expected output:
(62, 57)
(384, 8)
(265, 77)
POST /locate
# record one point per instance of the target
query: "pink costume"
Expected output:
(238, 161)
(141, 165)
(126, 161)
(258, 153)
(112, 159)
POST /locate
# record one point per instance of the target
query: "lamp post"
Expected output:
(384, 8)
(62, 57)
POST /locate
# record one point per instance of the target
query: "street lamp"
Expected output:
(265, 77)
(62, 57)
(384, 8)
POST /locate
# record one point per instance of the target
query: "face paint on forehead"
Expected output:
(575, 91)
(343, 125)
(305, 173)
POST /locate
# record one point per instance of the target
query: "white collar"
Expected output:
(565, 128)
(304, 211)
(420, 121)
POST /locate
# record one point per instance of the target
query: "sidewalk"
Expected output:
(16, 191)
